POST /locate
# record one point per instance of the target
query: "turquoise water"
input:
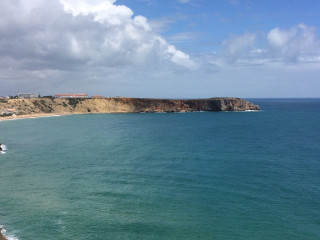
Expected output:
(209, 175)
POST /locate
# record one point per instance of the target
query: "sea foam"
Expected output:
(4, 148)
(8, 236)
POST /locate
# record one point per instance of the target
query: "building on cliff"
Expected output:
(97, 96)
(79, 95)
(27, 95)
(9, 111)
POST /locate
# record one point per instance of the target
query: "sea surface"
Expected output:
(204, 175)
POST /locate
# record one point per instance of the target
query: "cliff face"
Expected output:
(117, 105)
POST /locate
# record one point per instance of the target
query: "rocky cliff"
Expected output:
(118, 104)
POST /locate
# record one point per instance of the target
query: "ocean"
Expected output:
(203, 175)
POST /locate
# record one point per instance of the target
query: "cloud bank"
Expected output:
(80, 32)
(299, 44)
(99, 47)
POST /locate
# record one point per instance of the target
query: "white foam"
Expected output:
(242, 111)
(8, 236)
(9, 119)
(29, 117)
(47, 116)
(4, 148)
(11, 237)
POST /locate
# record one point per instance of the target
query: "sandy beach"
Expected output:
(32, 116)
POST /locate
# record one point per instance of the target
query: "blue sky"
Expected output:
(222, 17)
(206, 24)
(161, 48)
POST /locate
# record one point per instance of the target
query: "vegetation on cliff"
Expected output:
(118, 104)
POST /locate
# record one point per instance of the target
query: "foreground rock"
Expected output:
(121, 105)
(1, 236)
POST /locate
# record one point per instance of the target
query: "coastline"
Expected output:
(43, 115)
(1, 236)
(38, 107)
(27, 116)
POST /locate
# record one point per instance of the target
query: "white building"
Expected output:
(79, 95)
(27, 95)
(10, 111)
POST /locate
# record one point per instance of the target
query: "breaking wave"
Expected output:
(8, 236)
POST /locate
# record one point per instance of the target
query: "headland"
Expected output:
(42, 107)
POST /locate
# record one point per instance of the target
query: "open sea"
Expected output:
(203, 175)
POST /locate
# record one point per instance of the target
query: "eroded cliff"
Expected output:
(118, 105)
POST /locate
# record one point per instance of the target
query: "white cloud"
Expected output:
(78, 33)
(88, 45)
(54, 45)
(184, 1)
(278, 38)
(180, 57)
(103, 11)
(163, 24)
(299, 44)
(234, 50)
(183, 37)
(237, 46)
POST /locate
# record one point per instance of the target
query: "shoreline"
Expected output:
(43, 115)
(1, 235)
(27, 116)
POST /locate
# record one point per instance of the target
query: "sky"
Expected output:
(161, 48)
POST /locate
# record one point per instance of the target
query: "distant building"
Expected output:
(79, 95)
(10, 111)
(97, 96)
(27, 95)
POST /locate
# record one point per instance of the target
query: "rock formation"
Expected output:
(127, 105)
(1, 236)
